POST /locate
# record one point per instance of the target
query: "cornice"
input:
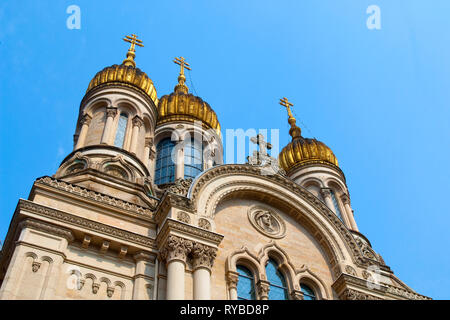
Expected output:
(189, 231)
(117, 204)
(65, 217)
(47, 228)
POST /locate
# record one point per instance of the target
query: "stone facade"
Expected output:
(101, 229)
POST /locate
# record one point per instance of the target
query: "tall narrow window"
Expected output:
(121, 130)
(308, 293)
(278, 288)
(246, 284)
(336, 205)
(193, 159)
(165, 166)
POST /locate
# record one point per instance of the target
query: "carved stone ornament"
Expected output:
(351, 271)
(111, 112)
(263, 288)
(204, 224)
(35, 266)
(176, 248)
(181, 187)
(203, 256)
(95, 287)
(110, 291)
(183, 217)
(350, 294)
(232, 279)
(267, 221)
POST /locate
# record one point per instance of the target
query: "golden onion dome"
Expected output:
(183, 106)
(126, 73)
(301, 151)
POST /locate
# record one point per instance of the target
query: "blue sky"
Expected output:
(378, 98)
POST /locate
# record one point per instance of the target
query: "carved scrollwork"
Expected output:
(180, 187)
(351, 271)
(350, 294)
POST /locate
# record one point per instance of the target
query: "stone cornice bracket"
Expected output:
(144, 256)
(47, 228)
(232, 279)
(203, 256)
(263, 287)
(175, 248)
(111, 112)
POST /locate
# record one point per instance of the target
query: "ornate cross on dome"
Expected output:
(182, 63)
(181, 87)
(284, 102)
(129, 61)
(134, 41)
(263, 145)
(268, 164)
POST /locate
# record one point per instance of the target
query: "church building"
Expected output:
(144, 208)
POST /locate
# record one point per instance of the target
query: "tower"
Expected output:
(113, 142)
(187, 137)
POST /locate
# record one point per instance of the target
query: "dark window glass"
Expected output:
(193, 159)
(246, 284)
(165, 166)
(308, 293)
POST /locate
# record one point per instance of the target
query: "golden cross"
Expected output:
(182, 63)
(134, 41)
(285, 103)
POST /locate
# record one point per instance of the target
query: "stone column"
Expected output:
(326, 194)
(110, 115)
(263, 287)
(349, 212)
(174, 253)
(179, 160)
(147, 148)
(85, 122)
(137, 124)
(203, 260)
(142, 274)
(232, 281)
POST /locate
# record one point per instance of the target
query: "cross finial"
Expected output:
(295, 131)
(181, 87)
(284, 102)
(181, 61)
(133, 39)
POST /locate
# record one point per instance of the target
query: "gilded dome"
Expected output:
(179, 106)
(183, 106)
(301, 151)
(125, 74)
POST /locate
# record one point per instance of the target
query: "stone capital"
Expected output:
(326, 192)
(148, 142)
(111, 112)
(345, 199)
(175, 248)
(137, 121)
(263, 287)
(86, 119)
(296, 295)
(203, 256)
(232, 279)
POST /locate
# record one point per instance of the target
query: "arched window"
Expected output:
(165, 166)
(278, 288)
(336, 205)
(193, 158)
(121, 130)
(246, 284)
(308, 293)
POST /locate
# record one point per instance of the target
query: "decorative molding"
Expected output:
(47, 228)
(192, 231)
(97, 196)
(351, 294)
(351, 271)
(180, 187)
(85, 223)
